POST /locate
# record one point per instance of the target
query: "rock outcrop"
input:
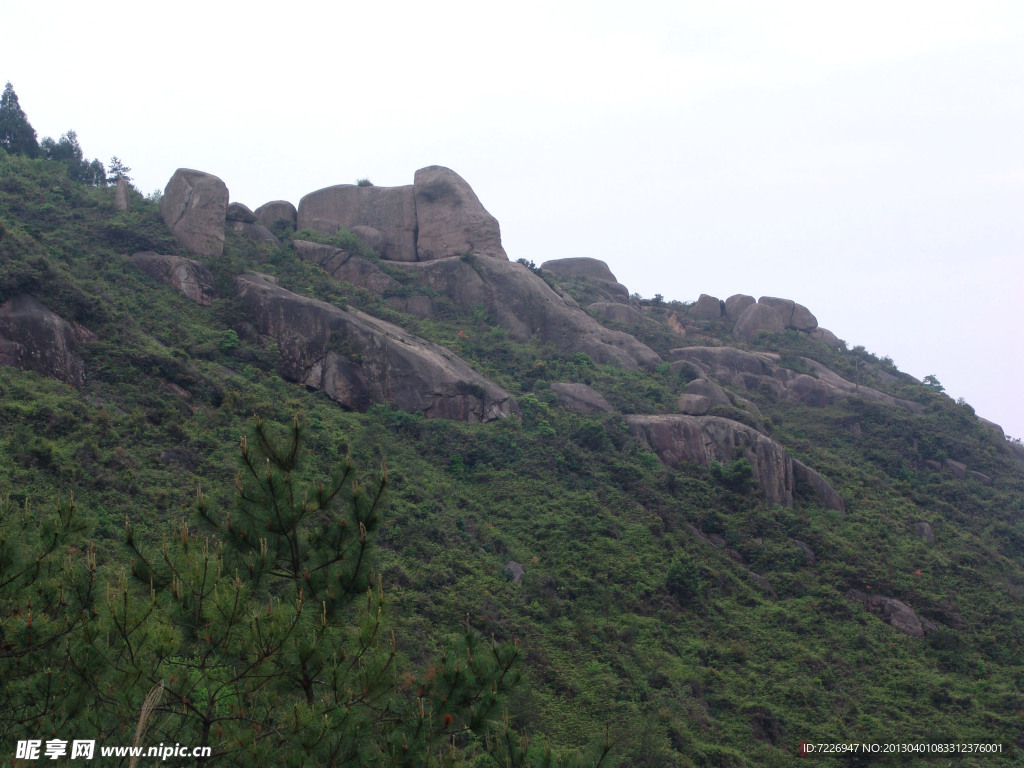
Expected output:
(580, 398)
(194, 206)
(681, 439)
(450, 219)
(900, 615)
(342, 265)
(437, 216)
(735, 305)
(708, 308)
(760, 371)
(769, 314)
(190, 277)
(242, 221)
(358, 360)
(272, 214)
(526, 306)
(623, 314)
(593, 270)
(33, 338)
(121, 200)
(389, 210)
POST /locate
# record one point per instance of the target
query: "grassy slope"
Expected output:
(733, 677)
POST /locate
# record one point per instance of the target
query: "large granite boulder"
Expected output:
(358, 360)
(680, 439)
(900, 615)
(33, 338)
(450, 219)
(526, 306)
(623, 314)
(760, 371)
(389, 210)
(593, 270)
(275, 212)
(580, 398)
(793, 315)
(194, 206)
(241, 221)
(580, 266)
(707, 308)
(735, 305)
(240, 212)
(757, 318)
(190, 277)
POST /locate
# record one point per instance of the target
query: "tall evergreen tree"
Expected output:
(16, 135)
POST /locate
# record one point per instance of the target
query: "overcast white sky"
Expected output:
(865, 159)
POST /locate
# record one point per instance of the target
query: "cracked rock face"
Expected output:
(359, 360)
(195, 206)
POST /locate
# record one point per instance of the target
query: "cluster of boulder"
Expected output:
(435, 235)
(765, 315)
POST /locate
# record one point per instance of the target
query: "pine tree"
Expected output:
(264, 637)
(16, 135)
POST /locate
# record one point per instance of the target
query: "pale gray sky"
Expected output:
(864, 159)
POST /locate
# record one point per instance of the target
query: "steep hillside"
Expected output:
(714, 529)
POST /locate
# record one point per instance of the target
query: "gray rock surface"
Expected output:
(580, 398)
(693, 405)
(33, 338)
(924, 531)
(342, 265)
(276, 211)
(580, 266)
(513, 571)
(757, 318)
(370, 237)
(190, 277)
(121, 200)
(681, 439)
(736, 304)
(239, 212)
(707, 308)
(594, 270)
(760, 371)
(623, 314)
(390, 210)
(900, 615)
(358, 360)
(450, 219)
(526, 306)
(194, 206)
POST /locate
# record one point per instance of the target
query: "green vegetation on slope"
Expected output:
(625, 619)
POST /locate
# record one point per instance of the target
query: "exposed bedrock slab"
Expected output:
(359, 360)
(679, 439)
